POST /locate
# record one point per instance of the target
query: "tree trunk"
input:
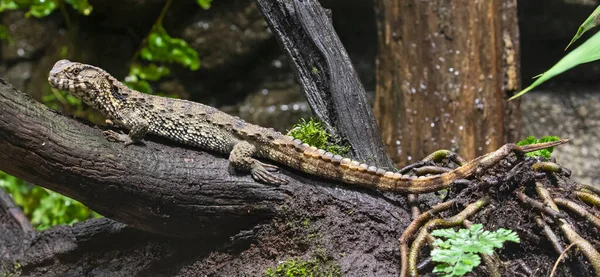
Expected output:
(444, 72)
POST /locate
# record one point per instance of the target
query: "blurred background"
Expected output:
(221, 53)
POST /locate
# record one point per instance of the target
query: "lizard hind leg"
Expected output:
(241, 158)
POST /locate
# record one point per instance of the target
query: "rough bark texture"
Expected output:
(179, 192)
(240, 227)
(326, 74)
(444, 71)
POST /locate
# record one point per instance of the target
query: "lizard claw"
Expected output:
(269, 167)
(113, 136)
(263, 173)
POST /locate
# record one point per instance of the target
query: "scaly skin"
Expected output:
(207, 128)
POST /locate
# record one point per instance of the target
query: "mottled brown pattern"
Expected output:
(207, 128)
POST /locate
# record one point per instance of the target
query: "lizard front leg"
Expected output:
(137, 125)
(241, 158)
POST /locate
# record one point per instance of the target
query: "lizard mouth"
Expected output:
(54, 77)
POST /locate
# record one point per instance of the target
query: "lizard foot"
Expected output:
(264, 173)
(269, 167)
(113, 136)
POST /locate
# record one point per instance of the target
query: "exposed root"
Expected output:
(414, 227)
(538, 187)
(550, 235)
(439, 155)
(584, 246)
(578, 210)
(551, 168)
(539, 206)
(587, 188)
(427, 166)
(560, 258)
(415, 249)
(588, 197)
(413, 203)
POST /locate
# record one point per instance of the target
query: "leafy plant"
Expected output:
(42, 8)
(4, 34)
(545, 153)
(458, 254)
(586, 52)
(313, 133)
(140, 75)
(160, 47)
(44, 208)
(205, 4)
(163, 48)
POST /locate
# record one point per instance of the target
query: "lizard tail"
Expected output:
(318, 162)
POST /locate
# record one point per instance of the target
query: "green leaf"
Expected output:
(587, 52)
(4, 34)
(151, 72)
(8, 5)
(546, 153)
(139, 85)
(205, 4)
(82, 6)
(529, 140)
(458, 254)
(445, 233)
(592, 21)
(41, 8)
(161, 47)
(43, 207)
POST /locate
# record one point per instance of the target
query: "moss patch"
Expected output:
(313, 133)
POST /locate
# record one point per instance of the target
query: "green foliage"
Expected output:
(160, 47)
(44, 208)
(586, 52)
(4, 34)
(539, 153)
(8, 5)
(313, 133)
(163, 48)
(318, 266)
(42, 8)
(458, 254)
(205, 4)
(140, 75)
(592, 21)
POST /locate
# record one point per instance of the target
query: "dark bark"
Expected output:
(325, 72)
(162, 188)
(238, 226)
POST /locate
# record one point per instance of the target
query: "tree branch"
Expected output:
(176, 191)
(325, 72)
(158, 188)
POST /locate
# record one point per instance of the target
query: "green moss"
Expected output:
(318, 266)
(10, 271)
(313, 133)
(545, 153)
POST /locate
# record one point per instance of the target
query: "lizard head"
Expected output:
(86, 82)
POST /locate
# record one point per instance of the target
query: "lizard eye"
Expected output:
(75, 71)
